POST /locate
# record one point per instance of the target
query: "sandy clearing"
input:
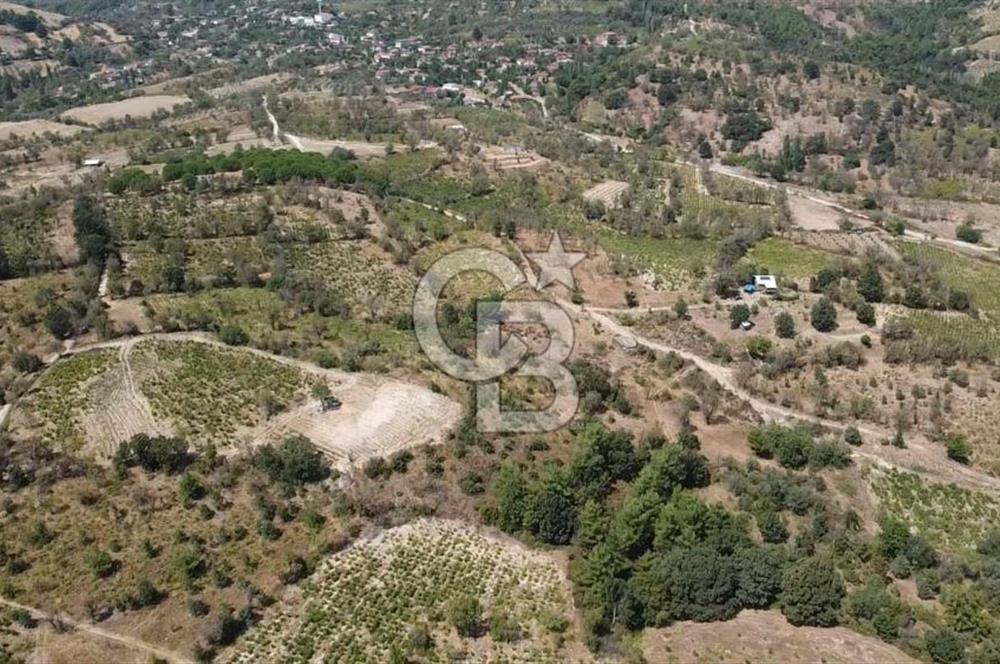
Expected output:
(36, 128)
(41, 67)
(377, 419)
(112, 35)
(359, 148)
(14, 43)
(136, 107)
(229, 147)
(349, 203)
(988, 44)
(813, 216)
(4, 413)
(765, 636)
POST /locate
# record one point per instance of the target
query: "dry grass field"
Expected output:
(765, 636)
(26, 128)
(136, 107)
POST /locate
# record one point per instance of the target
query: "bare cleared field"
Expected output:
(359, 148)
(813, 216)
(377, 419)
(37, 128)
(988, 44)
(765, 636)
(607, 193)
(136, 107)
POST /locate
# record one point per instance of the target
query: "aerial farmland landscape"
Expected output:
(412, 331)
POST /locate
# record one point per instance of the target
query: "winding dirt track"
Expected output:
(920, 456)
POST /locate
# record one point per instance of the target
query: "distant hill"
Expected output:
(29, 38)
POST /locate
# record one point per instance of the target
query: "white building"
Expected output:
(766, 282)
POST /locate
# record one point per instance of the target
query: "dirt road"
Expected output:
(325, 146)
(89, 628)
(4, 413)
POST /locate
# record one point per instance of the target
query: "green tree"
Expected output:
(893, 537)
(295, 463)
(634, 524)
(466, 614)
(593, 524)
(759, 347)
(784, 325)
(812, 593)
(944, 646)
(26, 363)
(686, 522)
(686, 584)
(603, 457)
(965, 612)
(824, 315)
(510, 490)
(759, 578)
(681, 309)
(865, 313)
(91, 230)
(6, 271)
(870, 285)
(552, 511)
(191, 488)
(959, 449)
(772, 527)
(101, 563)
(738, 315)
(233, 335)
(60, 321)
(791, 445)
(672, 467)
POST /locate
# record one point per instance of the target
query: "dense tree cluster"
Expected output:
(25, 22)
(795, 448)
(295, 462)
(153, 454)
(265, 166)
(92, 231)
